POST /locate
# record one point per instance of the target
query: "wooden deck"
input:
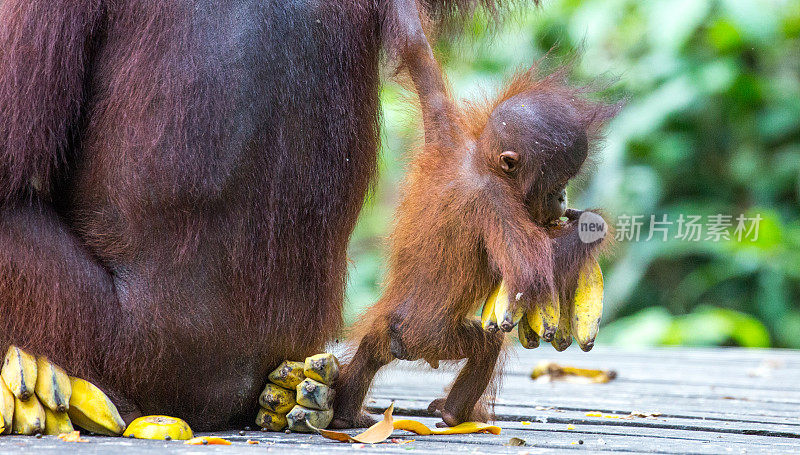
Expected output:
(709, 401)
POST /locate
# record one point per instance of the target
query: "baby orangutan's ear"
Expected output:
(509, 161)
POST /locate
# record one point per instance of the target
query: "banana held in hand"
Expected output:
(28, 416)
(543, 318)
(563, 336)
(527, 336)
(6, 406)
(52, 385)
(505, 317)
(91, 409)
(588, 306)
(314, 395)
(299, 418)
(488, 317)
(322, 367)
(19, 372)
(271, 420)
(277, 399)
(159, 427)
(288, 374)
(56, 423)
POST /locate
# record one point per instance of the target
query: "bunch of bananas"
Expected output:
(37, 396)
(299, 394)
(553, 321)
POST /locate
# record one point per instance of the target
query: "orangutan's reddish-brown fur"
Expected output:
(476, 209)
(178, 183)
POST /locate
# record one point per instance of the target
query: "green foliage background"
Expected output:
(711, 125)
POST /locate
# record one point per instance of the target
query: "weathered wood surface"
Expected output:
(709, 401)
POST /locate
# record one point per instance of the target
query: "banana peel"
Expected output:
(380, 431)
(554, 371)
(208, 440)
(19, 372)
(92, 410)
(159, 427)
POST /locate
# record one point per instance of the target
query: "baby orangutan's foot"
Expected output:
(480, 413)
(363, 420)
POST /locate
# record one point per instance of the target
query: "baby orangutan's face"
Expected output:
(536, 141)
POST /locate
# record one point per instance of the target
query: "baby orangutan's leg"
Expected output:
(481, 349)
(355, 379)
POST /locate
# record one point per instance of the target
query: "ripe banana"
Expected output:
(6, 406)
(588, 306)
(159, 427)
(314, 395)
(299, 419)
(527, 336)
(56, 423)
(488, 316)
(271, 420)
(322, 367)
(91, 409)
(19, 372)
(277, 399)
(288, 374)
(543, 318)
(52, 385)
(28, 416)
(563, 336)
(505, 317)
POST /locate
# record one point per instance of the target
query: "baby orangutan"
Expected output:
(483, 203)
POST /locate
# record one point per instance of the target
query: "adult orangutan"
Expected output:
(178, 182)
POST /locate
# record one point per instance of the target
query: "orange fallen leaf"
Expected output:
(462, 428)
(72, 436)
(376, 433)
(208, 440)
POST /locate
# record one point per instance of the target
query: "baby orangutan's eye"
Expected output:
(509, 161)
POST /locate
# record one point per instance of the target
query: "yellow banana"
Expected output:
(527, 336)
(543, 318)
(6, 406)
(488, 317)
(28, 416)
(288, 374)
(159, 427)
(322, 367)
(271, 420)
(52, 385)
(505, 317)
(91, 409)
(277, 399)
(19, 372)
(588, 306)
(563, 336)
(2, 424)
(56, 423)
(299, 419)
